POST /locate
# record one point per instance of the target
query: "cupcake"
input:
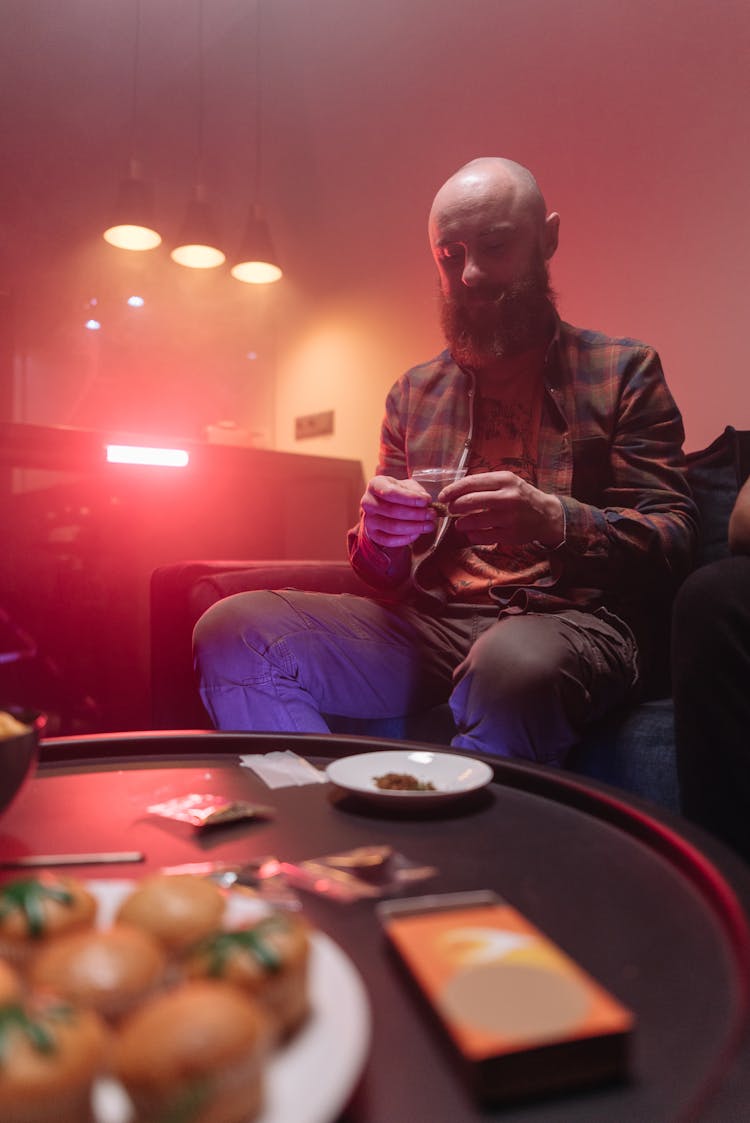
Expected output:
(196, 1052)
(268, 960)
(108, 971)
(50, 1054)
(36, 909)
(177, 909)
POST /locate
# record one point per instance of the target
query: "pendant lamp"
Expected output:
(197, 246)
(256, 262)
(132, 221)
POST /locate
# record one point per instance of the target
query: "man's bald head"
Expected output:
(491, 178)
(497, 176)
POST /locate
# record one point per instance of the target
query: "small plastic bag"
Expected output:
(259, 877)
(204, 810)
(366, 871)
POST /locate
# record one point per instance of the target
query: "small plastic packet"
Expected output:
(366, 871)
(259, 877)
(205, 810)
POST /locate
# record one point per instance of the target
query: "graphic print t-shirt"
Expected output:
(506, 437)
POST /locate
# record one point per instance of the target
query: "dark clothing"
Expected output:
(711, 688)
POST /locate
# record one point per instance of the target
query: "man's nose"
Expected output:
(472, 274)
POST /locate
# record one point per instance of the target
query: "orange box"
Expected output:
(524, 1016)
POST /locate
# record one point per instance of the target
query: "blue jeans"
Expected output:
(519, 685)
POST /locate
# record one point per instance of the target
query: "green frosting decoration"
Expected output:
(14, 1019)
(26, 896)
(252, 940)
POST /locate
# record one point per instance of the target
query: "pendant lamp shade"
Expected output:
(256, 263)
(132, 225)
(197, 247)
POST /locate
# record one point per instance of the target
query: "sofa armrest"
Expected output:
(182, 591)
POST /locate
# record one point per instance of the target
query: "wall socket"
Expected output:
(313, 425)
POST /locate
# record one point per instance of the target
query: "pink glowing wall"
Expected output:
(634, 116)
(635, 119)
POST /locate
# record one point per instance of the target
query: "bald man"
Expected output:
(529, 597)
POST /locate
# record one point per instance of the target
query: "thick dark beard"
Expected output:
(502, 324)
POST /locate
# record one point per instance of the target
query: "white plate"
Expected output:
(308, 1080)
(451, 774)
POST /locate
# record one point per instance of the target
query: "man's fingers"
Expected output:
(407, 493)
(392, 524)
(411, 527)
(471, 486)
(390, 513)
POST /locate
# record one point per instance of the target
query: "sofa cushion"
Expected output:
(312, 576)
(633, 749)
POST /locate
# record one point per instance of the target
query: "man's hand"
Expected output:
(396, 512)
(502, 508)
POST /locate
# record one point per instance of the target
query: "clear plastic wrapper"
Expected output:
(260, 877)
(366, 871)
(205, 810)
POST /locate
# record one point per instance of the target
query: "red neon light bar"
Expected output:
(158, 457)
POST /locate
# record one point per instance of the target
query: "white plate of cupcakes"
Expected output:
(172, 997)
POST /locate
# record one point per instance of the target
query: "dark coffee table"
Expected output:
(654, 909)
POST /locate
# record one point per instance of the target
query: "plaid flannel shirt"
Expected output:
(610, 447)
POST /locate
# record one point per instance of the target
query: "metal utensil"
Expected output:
(33, 861)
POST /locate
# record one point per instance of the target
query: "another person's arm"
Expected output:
(739, 523)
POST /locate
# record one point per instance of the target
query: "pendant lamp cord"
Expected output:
(136, 54)
(258, 102)
(201, 98)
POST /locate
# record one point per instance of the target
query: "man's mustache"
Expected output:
(473, 297)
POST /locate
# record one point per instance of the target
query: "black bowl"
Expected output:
(18, 754)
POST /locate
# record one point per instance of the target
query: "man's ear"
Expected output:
(551, 234)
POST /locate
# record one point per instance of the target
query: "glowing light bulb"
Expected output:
(92, 325)
(136, 301)
(256, 272)
(196, 256)
(129, 237)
